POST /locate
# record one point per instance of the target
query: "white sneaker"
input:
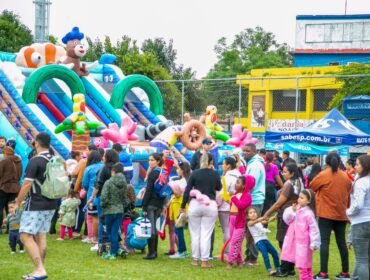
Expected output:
(21, 251)
(95, 248)
(175, 256)
(12, 252)
(86, 240)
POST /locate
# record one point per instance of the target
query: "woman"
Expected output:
(10, 176)
(359, 215)
(350, 170)
(93, 166)
(332, 188)
(110, 158)
(272, 178)
(288, 195)
(315, 170)
(153, 203)
(202, 218)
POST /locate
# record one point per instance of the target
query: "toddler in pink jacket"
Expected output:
(303, 235)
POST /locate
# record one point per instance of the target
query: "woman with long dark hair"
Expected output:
(153, 203)
(110, 158)
(272, 178)
(288, 195)
(332, 188)
(315, 170)
(359, 215)
(93, 166)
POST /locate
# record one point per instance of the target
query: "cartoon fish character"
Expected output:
(37, 55)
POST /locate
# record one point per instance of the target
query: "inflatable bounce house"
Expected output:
(48, 88)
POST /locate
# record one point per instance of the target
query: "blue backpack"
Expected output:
(161, 188)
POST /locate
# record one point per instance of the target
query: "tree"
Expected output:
(165, 54)
(13, 33)
(132, 61)
(250, 49)
(354, 85)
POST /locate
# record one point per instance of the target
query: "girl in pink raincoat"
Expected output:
(303, 235)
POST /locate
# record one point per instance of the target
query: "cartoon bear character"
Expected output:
(75, 50)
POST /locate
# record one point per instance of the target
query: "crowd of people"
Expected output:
(248, 192)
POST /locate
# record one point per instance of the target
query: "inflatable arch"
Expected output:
(140, 81)
(39, 76)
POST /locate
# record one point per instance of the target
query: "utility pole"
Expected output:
(42, 20)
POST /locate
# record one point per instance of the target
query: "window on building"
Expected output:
(285, 100)
(322, 98)
(337, 32)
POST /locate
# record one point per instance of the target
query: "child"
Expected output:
(67, 214)
(178, 188)
(302, 223)
(258, 233)
(72, 162)
(240, 201)
(128, 209)
(112, 200)
(131, 242)
(12, 221)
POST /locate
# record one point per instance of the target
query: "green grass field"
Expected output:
(73, 260)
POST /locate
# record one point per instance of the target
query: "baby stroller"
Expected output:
(104, 246)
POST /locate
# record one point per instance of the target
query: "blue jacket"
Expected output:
(256, 168)
(89, 178)
(131, 241)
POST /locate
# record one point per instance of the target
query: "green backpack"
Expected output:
(56, 184)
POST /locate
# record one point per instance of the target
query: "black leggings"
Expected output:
(285, 267)
(339, 228)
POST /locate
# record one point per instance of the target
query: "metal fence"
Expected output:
(285, 93)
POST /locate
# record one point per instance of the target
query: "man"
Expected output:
(38, 210)
(262, 154)
(277, 160)
(286, 159)
(2, 146)
(255, 168)
(206, 147)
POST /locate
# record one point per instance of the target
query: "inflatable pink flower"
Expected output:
(123, 134)
(240, 137)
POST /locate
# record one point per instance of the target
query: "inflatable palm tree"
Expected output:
(78, 124)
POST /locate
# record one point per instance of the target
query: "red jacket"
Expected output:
(244, 202)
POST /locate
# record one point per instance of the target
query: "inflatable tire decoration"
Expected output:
(193, 133)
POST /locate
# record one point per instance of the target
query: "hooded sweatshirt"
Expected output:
(114, 195)
(243, 202)
(10, 174)
(256, 168)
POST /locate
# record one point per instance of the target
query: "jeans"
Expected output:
(101, 221)
(14, 240)
(252, 252)
(339, 227)
(113, 223)
(361, 246)
(265, 247)
(180, 237)
(4, 199)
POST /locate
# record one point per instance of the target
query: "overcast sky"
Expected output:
(194, 25)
